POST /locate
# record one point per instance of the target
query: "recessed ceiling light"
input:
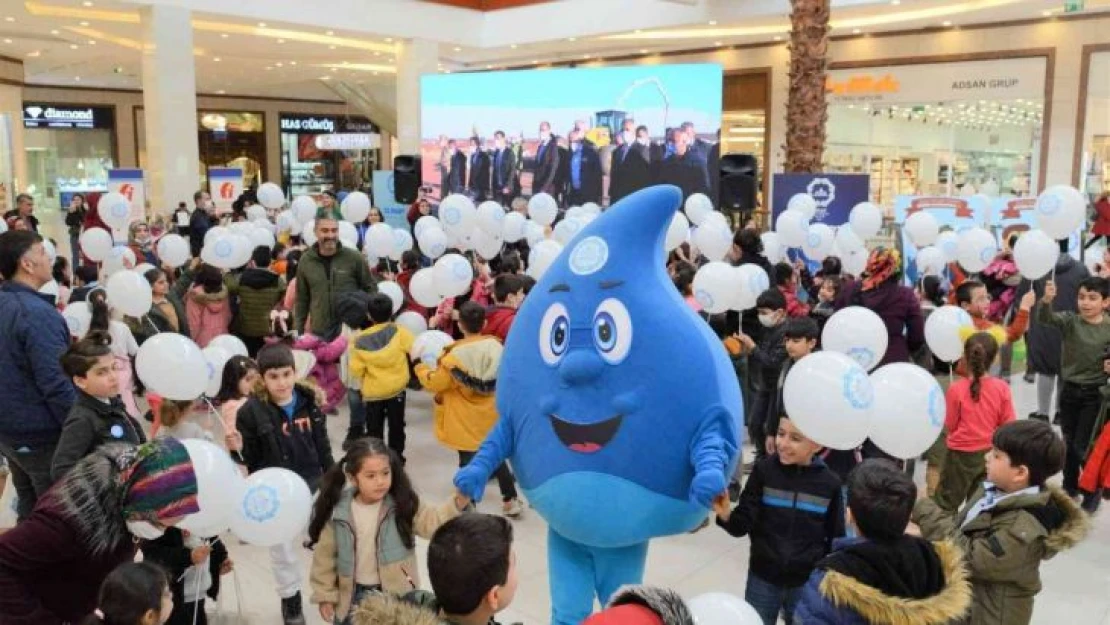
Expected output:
(279, 64)
(331, 47)
(268, 68)
(718, 43)
(637, 31)
(712, 22)
(216, 59)
(568, 38)
(330, 33)
(585, 56)
(447, 72)
(77, 78)
(896, 2)
(34, 53)
(335, 69)
(376, 53)
(458, 49)
(292, 62)
(345, 62)
(489, 67)
(92, 42)
(82, 23)
(223, 35)
(778, 37)
(376, 73)
(1046, 13)
(325, 78)
(9, 19)
(946, 23)
(513, 46)
(7, 41)
(280, 41)
(54, 32)
(643, 51)
(389, 39)
(262, 24)
(86, 3)
(72, 46)
(856, 31)
(535, 62)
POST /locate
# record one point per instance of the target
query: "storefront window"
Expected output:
(69, 150)
(1095, 178)
(939, 129)
(327, 153)
(225, 139)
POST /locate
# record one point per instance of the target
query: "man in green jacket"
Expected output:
(259, 290)
(326, 271)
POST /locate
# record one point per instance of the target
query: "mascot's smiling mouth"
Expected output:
(586, 438)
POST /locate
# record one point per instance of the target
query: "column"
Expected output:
(414, 59)
(170, 107)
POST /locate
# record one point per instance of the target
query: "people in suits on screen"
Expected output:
(643, 142)
(697, 148)
(584, 172)
(546, 169)
(713, 166)
(456, 175)
(502, 170)
(479, 167)
(629, 171)
(684, 169)
(563, 174)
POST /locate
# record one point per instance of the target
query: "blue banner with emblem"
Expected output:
(835, 194)
(393, 212)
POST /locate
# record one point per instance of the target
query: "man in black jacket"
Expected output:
(629, 171)
(478, 180)
(456, 174)
(546, 162)
(203, 218)
(584, 175)
(502, 170)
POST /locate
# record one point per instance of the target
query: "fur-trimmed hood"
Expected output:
(474, 362)
(92, 497)
(384, 609)
(1073, 525)
(668, 604)
(948, 605)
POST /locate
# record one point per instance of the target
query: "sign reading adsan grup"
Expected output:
(1002, 79)
(67, 116)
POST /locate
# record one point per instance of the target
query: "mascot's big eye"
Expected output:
(612, 331)
(554, 334)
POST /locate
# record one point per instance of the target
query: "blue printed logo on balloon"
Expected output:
(460, 270)
(986, 255)
(858, 390)
(116, 431)
(936, 407)
(589, 256)
(861, 355)
(704, 298)
(450, 215)
(1049, 204)
(261, 503)
(758, 283)
(814, 239)
(223, 248)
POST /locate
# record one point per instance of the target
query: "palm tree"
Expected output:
(806, 106)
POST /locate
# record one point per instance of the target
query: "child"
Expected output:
(1096, 472)
(350, 309)
(175, 422)
(799, 336)
(194, 567)
(883, 575)
(325, 370)
(123, 346)
(787, 284)
(135, 593)
(410, 264)
(472, 569)
(643, 605)
(207, 308)
(508, 295)
(684, 273)
(464, 383)
(1086, 336)
(972, 296)
(767, 359)
(380, 359)
(791, 507)
(240, 381)
(98, 416)
(364, 525)
(1013, 524)
(283, 427)
(976, 407)
(826, 300)
(259, 290)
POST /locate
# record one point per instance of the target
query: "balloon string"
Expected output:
(223, 426)
(196, 601)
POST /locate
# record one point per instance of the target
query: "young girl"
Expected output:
(175, 421)
(684, 281)
(239, 381)
(124, 347)
(135, 593)
(363, 527)
(326, 370)
(208, 308)
(977, 406)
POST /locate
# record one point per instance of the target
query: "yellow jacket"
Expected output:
(380, 359)
(464, 385)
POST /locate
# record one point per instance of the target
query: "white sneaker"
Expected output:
(512, 508)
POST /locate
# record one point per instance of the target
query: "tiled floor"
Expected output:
(1074, 583)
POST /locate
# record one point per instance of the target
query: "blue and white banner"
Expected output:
(393, 212)
(835, 194)
(225, 184)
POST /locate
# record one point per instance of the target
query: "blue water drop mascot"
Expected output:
(619, 409)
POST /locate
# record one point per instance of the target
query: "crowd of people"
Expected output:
(579, 167)
(837, 536)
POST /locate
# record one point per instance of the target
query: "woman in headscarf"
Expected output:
(880, 289)
(53, 562)
(141, 243)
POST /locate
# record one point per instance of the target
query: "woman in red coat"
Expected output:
(1101, 228)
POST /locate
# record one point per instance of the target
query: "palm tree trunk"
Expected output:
(806, 106)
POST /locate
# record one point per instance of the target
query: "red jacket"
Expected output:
(1096, 473)
(498, 321)
(794, 308)
(1102, 217)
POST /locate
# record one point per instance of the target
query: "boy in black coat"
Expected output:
(177, 552)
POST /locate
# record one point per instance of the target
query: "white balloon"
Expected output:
(541, 257)
(308, 232)
(429, 346)
(379, 240)
(773, 249)
(273, 508)
(270, 195)
(229, 343)
(948, 243)
(976, 249)
(218, 483)
(256, 212)
(713, 239)
(792, 228)
(908, 412)
(715, 286)
(819, 242)
(216, 232)
(1060, 211)
(543, 209)
(173, 250)
(129, 293)
(854, 262)
(930, 261)
(78, 317)
(287, 222)
(119, 258)
(414, 321)
(96, 243)
(222, 252)
(241, 227)
(566, 230)
(3, 226)
(115, 210)
(677, 233)
(393, 290)
(491, 217)
(751, 280)
(425, 222)
(453, 275)
(172, 366)
(260, 237)
(422, 287)
(829, 397)
(922, 228)
(264, 224)
(865, 220)
(698, 207)
(718, 608)
(432, 242)
(457, 214)
(858, 333)
(487, 245)
(402, 242)
(534, 233)
(215, 357)
(1035, 254)
(303, 209)
(51, 251)
(591, 208)
(355, 207)
(804, 204)
(349, 234)
(942, 332)
(848, 241)
(513, 227)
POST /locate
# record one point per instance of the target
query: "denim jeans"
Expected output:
(30, 470)
(769, 599)
(357, 428)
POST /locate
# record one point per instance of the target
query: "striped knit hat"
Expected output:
(158, 482)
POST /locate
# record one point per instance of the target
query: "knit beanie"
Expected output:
(158, 481)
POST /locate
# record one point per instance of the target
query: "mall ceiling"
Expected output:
(291, 49)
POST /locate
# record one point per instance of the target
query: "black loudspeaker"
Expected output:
(739, 182)
(406, 178)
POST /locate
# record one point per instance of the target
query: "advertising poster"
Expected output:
(393, 212)
(128, 183)
(224, 185)
(582, 135)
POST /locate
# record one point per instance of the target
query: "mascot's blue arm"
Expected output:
(710, 453)
(471, 480)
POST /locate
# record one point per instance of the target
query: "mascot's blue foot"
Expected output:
(580, 573)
